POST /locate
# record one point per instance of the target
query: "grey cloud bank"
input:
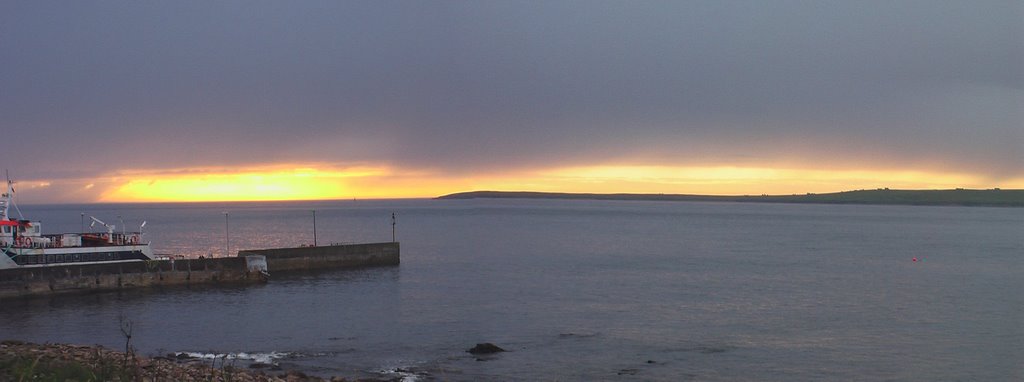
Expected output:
(465, 87)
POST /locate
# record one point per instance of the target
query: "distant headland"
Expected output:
(883, 196)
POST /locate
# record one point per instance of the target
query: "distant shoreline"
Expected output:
(958, 197)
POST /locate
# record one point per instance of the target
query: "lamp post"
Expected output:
(314, 228)
(83, 223)
(227, 236)
(393, 227)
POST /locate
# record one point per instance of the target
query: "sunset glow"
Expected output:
(754, 180)
(245, 185)
(322, 182)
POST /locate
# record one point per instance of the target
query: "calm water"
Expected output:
(583, 290)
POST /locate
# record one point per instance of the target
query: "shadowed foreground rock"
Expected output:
(20, 361)
(485, 348)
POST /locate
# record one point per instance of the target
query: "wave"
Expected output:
(405, 374)
(244, 356)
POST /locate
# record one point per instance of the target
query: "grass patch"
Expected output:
(27, 368)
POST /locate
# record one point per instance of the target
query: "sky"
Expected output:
(130, 101)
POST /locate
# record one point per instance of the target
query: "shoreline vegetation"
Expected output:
(883, 196)
(23, 361)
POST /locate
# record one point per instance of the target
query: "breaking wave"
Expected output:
(243, 356)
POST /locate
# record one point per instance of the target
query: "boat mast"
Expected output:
(5, 199)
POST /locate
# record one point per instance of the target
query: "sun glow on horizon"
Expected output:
(324, 182)
(735, 180)
(246, 185)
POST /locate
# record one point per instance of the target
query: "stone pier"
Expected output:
(250, 266)
(328, 257)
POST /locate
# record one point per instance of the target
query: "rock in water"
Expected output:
(485, 348)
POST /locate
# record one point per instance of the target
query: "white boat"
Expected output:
(24, 245)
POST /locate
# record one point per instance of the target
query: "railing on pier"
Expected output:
(63, 240)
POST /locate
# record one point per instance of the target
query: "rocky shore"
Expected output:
(21, 361)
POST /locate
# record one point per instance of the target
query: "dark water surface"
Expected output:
(582, 290)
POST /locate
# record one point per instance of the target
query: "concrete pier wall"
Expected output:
(135, 274)
(328, 257)
(250, 266)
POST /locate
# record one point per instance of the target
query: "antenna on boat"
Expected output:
(8, 198)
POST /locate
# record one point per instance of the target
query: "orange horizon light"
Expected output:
(326, 183)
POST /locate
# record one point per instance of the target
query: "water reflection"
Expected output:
(582, 290)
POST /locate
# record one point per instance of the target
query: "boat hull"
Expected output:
(44, 257)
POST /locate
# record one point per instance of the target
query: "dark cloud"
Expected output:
(88, 87)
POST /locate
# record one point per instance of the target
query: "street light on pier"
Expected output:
(314, 228)
(227, 236)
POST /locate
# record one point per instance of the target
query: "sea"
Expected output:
(574, 290)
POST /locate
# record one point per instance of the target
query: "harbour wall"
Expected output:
(250, 266)
(77, 278)
(328, 257)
